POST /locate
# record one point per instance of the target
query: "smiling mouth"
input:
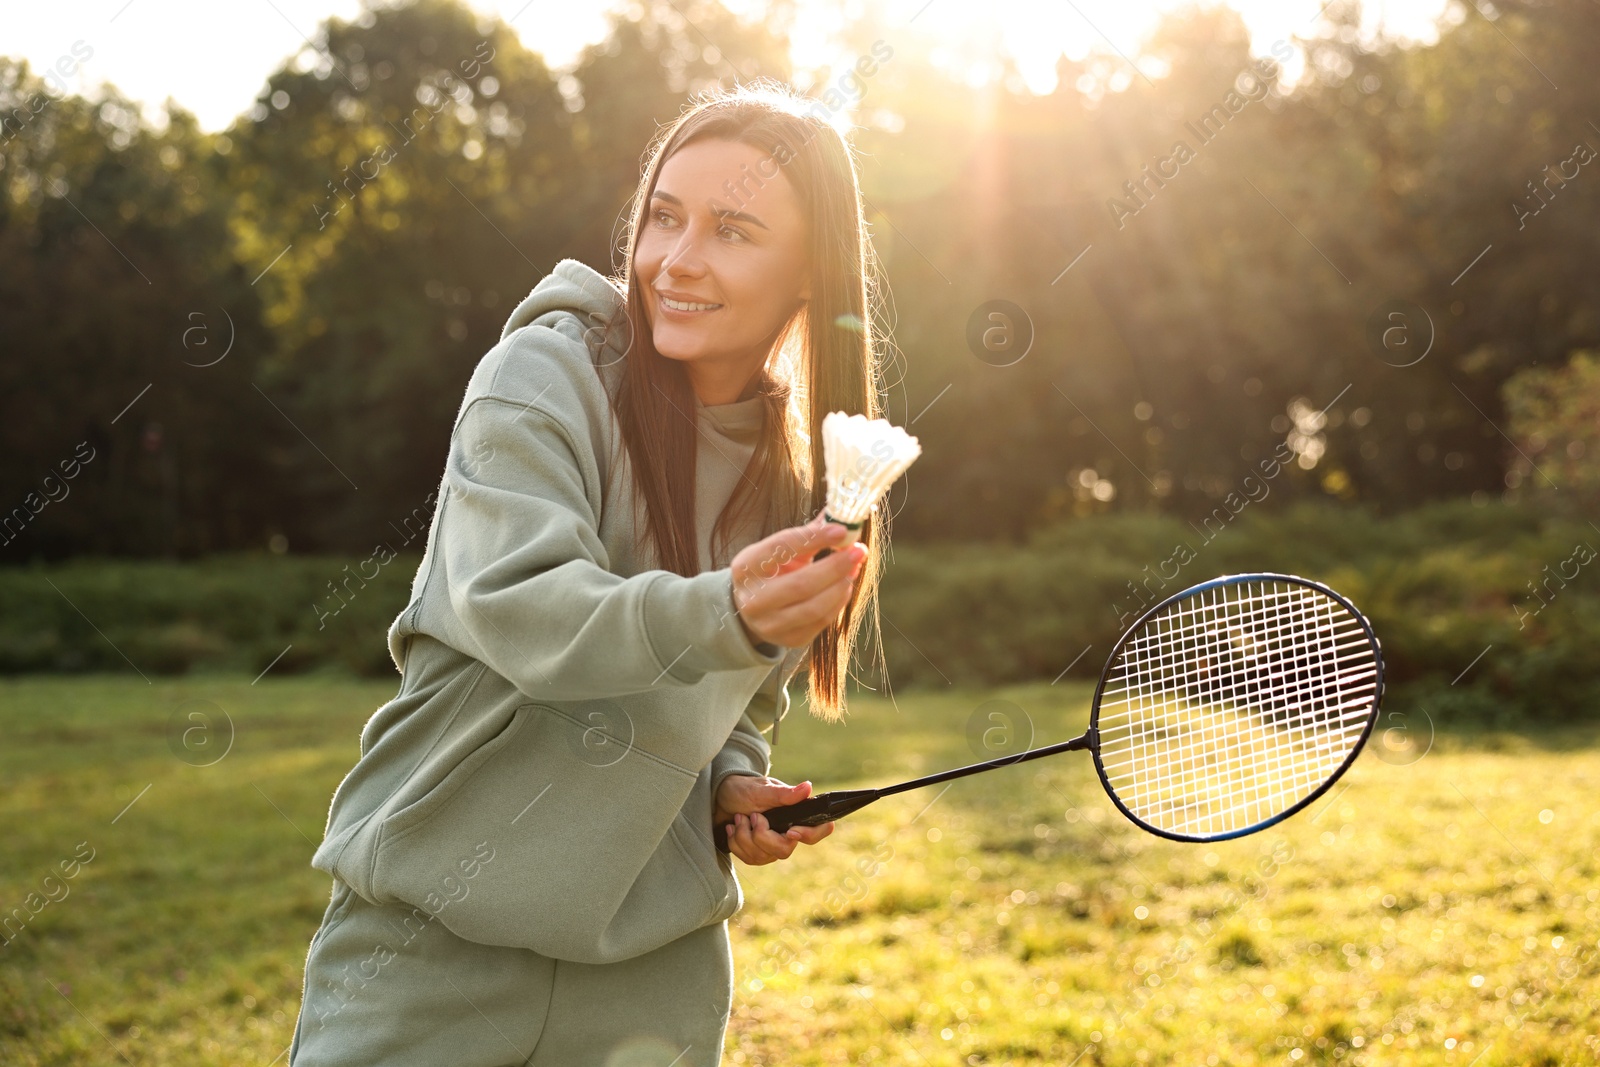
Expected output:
(685, 305)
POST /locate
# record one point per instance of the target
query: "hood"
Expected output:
(572, 286)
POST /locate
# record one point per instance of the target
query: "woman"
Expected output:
(618, 585)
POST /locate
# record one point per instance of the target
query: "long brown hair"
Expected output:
(824, 359)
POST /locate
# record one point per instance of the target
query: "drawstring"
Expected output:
(780, 684)
(777, 717)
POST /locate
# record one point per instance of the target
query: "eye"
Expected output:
(659, 213)
(735, 231)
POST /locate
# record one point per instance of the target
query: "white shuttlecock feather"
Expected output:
(862, 458)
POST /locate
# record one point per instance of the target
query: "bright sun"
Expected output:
(964, 37)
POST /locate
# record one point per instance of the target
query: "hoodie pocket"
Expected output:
(402, 821)
(584, 860)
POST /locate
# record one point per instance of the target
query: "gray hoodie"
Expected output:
(564, 707)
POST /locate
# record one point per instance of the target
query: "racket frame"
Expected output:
(828, 807)
(1093, 733)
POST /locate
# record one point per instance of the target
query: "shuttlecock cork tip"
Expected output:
(862, 458)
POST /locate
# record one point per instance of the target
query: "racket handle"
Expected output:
(812, 811)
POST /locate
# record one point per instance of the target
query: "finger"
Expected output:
(766, 591)
(773, 845)
(818, 533)
(820, 607)
(809, 596)
(763, 844)
(741, 842)
(743, 852)
(772, 793)
(759, 592)
(788, 549)
(809, 835)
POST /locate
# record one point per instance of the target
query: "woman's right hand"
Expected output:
(783, 597)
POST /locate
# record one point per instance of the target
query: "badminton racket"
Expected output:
(1222, 710)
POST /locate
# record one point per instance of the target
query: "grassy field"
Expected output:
(1439, 908)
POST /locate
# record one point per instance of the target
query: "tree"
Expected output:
(1555, 419)
(130, 336)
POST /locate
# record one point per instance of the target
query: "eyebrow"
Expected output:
(725, 213)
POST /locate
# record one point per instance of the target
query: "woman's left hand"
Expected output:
(739, 804)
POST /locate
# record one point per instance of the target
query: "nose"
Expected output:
(684, 259)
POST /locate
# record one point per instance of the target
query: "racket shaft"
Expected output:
(1084, 741)
(826, 807)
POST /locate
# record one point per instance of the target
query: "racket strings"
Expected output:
(1163, 760)
(1234, 705)
(1219, 686)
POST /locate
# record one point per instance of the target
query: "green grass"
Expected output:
(1014, 918)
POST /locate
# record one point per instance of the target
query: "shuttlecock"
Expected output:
(862, 459)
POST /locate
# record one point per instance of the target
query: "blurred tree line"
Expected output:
(259, 338)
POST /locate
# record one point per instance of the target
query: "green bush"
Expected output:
(1441, 585)
(226, 613)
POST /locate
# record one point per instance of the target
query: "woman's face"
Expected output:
(723, 232)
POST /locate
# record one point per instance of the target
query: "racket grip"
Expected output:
(812, 811)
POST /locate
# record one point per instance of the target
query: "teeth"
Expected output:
(679, 305)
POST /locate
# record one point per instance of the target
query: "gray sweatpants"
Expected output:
(390, 984)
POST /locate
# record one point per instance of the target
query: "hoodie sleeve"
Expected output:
(528, 576)
(745, 752)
